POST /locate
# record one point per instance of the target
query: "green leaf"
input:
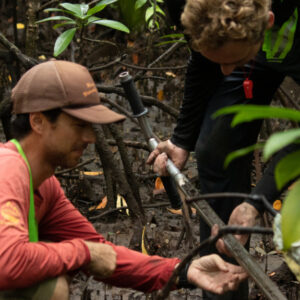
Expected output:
(112, 24)
(290, 217)
(149, 13)
(100, 6)
(54, 9)
(247, 113)
(63, 41)
(55, 18)
(95, 9)
(64, 24)
(139, 4)
(74, 8)
(287, 169)
(106, 2)
(159, 10)
(172, 35)
(92, 19)
(241, 152)
(280, 140)
(84, 9)
(171, 42)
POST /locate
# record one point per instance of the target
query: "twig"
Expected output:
(27, 62)
(162, 204)
(289, 98)
(146, 99)
(163, 294)
(262, 198)
(132, 144)
(42, 7)
(102, 42)
(78, 166)
(119, 108)
(152, 69)
(165, 54)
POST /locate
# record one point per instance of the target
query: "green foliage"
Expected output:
(241, 152)
(287, 169)
(248, 113)
(138, 14)
(290, 221)
(80, 16)
(172, 38)
(280, 140)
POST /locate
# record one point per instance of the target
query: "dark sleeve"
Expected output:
(202, 78)
(267, 185)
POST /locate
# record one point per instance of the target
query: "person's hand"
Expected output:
(213, 274)
(243, 215)
(163, 151)
(103, 259)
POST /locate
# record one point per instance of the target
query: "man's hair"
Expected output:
(20, 125)
(211, 23)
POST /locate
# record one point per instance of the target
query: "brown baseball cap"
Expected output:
(61, 84)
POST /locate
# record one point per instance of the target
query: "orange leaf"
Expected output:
(130, 44)
(158, 184)
(160, 95)
(102, 204)
(135, 58)
(277, 204)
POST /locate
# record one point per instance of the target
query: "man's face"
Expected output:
(232, 55)
(65, 140)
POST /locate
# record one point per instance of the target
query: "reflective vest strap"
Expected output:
(278, 43)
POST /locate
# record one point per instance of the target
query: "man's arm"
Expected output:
(202, 77)
(248, 213)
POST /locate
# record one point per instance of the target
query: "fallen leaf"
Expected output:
(92, 173)
(171, 74)
(135, 58)
(121, 203)
(160, 95)
(158, 184)
(277, 204)
(102, 204)
(144, 250)
(20, 26)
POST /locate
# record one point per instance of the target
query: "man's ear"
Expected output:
(37, 122)
(271, 20)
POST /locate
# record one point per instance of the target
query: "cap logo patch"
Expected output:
(92, 89)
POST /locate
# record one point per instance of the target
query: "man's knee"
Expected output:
(61, 291)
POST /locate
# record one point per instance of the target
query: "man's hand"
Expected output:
(213, 274)
(243, 215)
(166, 150)
(103, 259)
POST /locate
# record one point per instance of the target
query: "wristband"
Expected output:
(183, 280)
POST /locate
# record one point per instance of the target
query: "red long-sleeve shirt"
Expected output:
(23, 263)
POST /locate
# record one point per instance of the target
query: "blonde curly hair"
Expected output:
(212, 23)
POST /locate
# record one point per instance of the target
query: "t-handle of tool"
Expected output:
(139, 112)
